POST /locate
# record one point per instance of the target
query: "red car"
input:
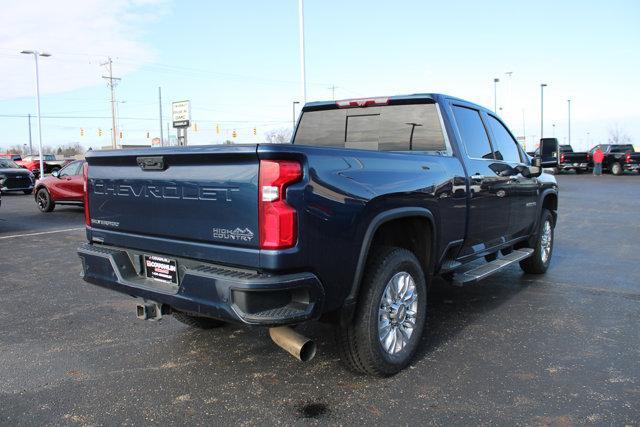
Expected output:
(63, 187)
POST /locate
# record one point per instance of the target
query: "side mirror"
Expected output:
(55, 174)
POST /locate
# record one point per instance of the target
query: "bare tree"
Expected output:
(278, 136)
(617, 135)
(70, 150)
(15, 149)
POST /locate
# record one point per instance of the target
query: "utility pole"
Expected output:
(569, 121)
(542, 86)
(333, 91)
(112, 83)
(508, 105)
(524, 131)
(302, 62)
(160, 108)
(495, 95)
(30, 144)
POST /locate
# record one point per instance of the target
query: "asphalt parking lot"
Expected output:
(558, 349)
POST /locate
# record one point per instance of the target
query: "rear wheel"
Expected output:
(197, 322)
(385, 332)
(538, 262)
(616, 168)
(44, 201)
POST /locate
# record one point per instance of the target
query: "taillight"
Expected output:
(562, 158)
(363, 102)
(588, 157)
(627, 158)
(277, 220)
(85, 173)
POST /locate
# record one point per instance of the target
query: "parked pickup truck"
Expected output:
(617, 158)
(50, 163)
(577, 161)
(569, 159)
(348, 224)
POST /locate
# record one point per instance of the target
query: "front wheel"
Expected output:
(538, 262)
(44, 201)
(616, 169)
(385, 332)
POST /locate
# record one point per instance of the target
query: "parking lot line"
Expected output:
(41, 232)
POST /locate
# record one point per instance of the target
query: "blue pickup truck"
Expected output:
(347, 224)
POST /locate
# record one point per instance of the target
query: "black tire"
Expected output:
(616, 169)
(198, 322)
(536, 263)
(360, 347)
(27, 191)
(44, 201)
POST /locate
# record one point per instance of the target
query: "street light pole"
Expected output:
(569, 121)
(495, 95)
(35, 54)
(542, 86)
(30, 143)
(293, 119)
(302, 61)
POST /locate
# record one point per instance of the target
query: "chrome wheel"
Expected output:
(546, 241)
(397, 314)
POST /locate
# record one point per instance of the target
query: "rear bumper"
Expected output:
(215, 291)
(571, 166)
(630, 166)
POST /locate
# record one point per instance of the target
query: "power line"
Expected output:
(145, 118)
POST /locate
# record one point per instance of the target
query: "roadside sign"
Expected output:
(181, 114)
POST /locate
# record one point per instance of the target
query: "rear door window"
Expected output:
(474, 135)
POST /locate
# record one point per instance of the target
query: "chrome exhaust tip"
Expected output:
(299, 346)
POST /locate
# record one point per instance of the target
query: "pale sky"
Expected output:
(238, 63)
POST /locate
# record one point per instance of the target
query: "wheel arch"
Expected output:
(549, 200)
(377, 224)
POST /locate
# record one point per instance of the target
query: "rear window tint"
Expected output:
(414, 127)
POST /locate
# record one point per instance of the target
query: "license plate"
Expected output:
(161, 268)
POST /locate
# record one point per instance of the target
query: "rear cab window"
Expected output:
(408, 127)
(621, 149)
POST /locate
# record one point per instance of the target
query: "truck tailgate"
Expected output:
(196, 194)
